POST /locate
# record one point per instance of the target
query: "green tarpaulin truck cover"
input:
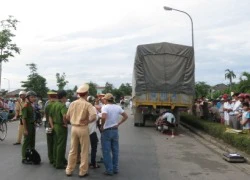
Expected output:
(164, 67)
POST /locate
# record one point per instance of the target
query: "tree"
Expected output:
(92, 89)
(126, 89)
(61, 82)
(244, 84)
(75, 88)
(108, 88)
(230, 75)
(7, 48)
(201, 89)
(71, 93)
(35, 82)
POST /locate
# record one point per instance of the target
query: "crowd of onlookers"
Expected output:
(7, 106)
(232, 111)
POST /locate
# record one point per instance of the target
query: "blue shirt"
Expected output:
(218, 105)
(246, 115)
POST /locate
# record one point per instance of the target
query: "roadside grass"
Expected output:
(239, 141)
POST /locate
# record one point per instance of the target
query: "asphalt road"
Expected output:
(145, 154)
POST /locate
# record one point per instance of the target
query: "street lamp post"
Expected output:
(172, 9)
(8, 84)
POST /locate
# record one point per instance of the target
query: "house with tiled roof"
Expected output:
(13, 94)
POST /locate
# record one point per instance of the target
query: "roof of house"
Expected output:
(220, 87)
(100, 87)
(13, 93)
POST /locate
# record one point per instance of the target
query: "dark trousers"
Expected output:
(93, 142)
(29, 140)
(59, 145)
(50, 146)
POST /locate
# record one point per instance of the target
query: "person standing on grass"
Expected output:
(236, 110)
(245, 120)
(109, 137)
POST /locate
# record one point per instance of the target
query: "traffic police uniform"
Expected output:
(52, 96)
(28, 116)
(79, 113)
(58, 110)
(18, 108)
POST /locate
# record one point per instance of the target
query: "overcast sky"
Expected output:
(96, 40)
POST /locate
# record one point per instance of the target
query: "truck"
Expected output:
(163, 79)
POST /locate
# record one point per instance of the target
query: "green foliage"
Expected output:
(202, 89)
(229, 74)
(244, 84)
(7, 48)
(61, 82)
(92, 89)
(125, 89)
(217, 94)
(108, 88)
(240, 141)
(35, 82)
(75, 88)
(117, 94)
(70, 94)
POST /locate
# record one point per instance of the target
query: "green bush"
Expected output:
(240, 141)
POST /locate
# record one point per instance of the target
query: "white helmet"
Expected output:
(83, 88)
(22, 92)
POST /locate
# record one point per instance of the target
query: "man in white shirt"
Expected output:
(67, 103)
(236, 110)
(110, 139)
(226, 107)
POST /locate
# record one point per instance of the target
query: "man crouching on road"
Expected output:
(80, 114)
(110, 138)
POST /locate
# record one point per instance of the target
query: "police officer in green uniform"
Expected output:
(57, 118)
(28, 121)
(52, 95)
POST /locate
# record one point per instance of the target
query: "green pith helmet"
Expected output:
(30, 93)
(90, 99)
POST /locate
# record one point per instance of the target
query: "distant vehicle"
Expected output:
(163, 78)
